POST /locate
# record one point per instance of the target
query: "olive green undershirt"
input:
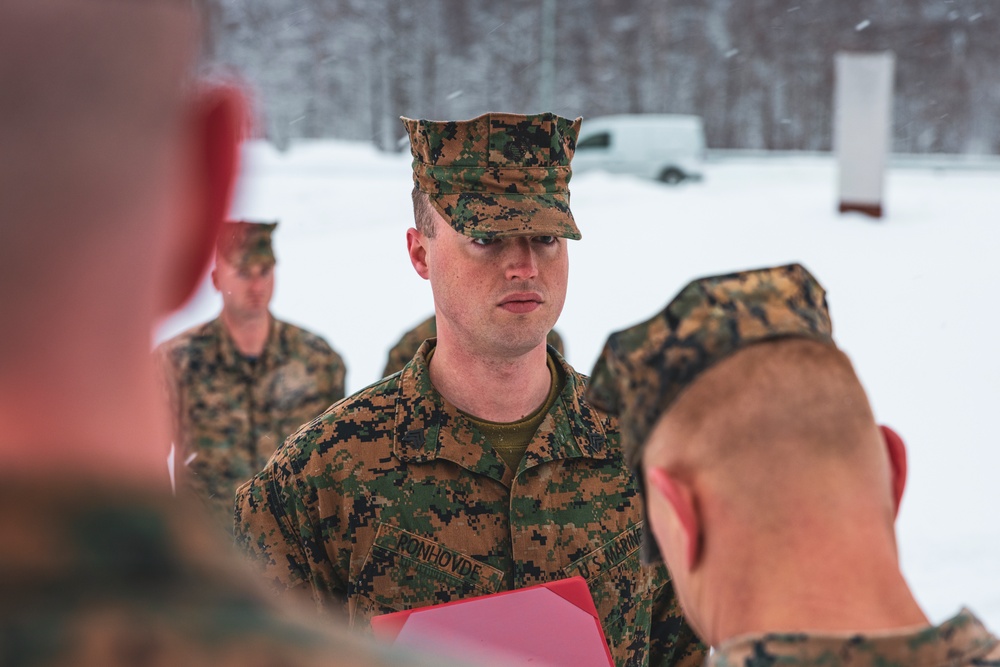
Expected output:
(511, 439)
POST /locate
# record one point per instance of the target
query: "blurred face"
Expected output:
(246, 292)
(498, 297)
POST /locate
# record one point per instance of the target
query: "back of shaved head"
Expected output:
(778, 420)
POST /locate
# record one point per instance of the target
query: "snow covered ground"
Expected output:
(914, 300)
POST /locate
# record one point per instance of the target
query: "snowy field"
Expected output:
(914, 300)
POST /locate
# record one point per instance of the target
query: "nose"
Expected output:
(258, 284)
(522, 264)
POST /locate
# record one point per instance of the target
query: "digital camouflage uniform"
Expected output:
(959, 642)
(231, 413)
(105, 577)
(394, 500)
(403, 351)
(498, 174)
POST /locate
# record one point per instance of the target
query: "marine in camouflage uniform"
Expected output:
(231, 411)
(642, 373)
(395, 499)
(403, 351)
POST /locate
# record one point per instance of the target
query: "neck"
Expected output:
(824, 581)
(498, 390)
(249, 333)
(72, 416)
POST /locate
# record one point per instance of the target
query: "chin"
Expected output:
(517, 345)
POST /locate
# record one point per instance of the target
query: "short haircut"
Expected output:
(795, 391)
(424, 215)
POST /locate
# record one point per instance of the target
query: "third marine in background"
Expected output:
(403, 351)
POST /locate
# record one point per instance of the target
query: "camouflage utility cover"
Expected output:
(393, 500)
(243, 244)
(231, 413)
(96, 576)
(643, 369)
(959, 642)
(403, 351)
(499, 174)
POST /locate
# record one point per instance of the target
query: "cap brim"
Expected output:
(485, 215)
(241, 261)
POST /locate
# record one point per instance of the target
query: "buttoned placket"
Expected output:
(425, 427)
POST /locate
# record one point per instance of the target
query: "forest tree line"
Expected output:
(760, 72)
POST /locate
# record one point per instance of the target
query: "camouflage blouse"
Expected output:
(393, 500)
(230, 413)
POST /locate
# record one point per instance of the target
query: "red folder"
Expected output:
(553, 625)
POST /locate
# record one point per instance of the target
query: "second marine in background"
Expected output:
(242, 383)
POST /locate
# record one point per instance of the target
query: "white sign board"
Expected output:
(862, 128)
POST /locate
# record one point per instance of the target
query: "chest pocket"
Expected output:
(624, 593)
(404, 571)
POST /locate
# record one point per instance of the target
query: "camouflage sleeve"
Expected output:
(169, 376)
(272, 528)
(672, 641)
(188, 483)
(167, 380)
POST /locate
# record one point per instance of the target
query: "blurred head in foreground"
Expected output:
(769, 488)
(115, 174)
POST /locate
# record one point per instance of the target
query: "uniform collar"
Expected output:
(957, 641)
(428, 427)
(274, 352)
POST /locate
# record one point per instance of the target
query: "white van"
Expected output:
(665, 147)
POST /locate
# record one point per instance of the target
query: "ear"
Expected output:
(416, 246)
(681, 500)
(215, 280)
(897, 463)
(216, 129)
